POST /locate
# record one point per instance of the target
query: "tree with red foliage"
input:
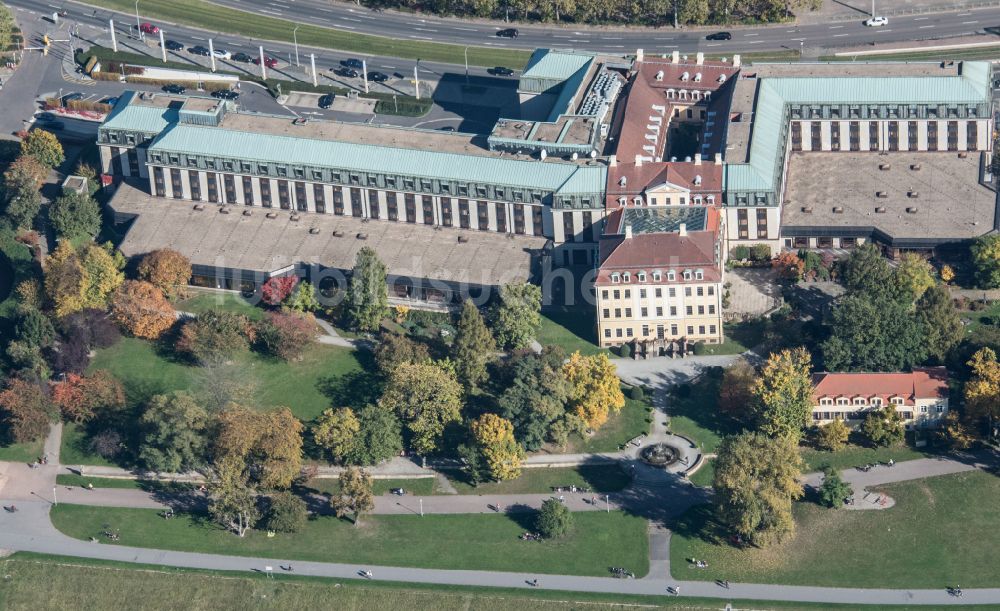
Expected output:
(286, 335)
(80, 397)
(789, 266)
(25, 411)
(277, 289)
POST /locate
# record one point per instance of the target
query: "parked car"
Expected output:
(110, 101)
(173, 45)
(398, 491)
(352, 63)
(507, 33)
(501, 71)
(719, 36)
(446, 128)
(326, 101)
(226, 94)
(221, 54)
(242, 57)
(877, 22)
(198, 50)
(347, 72)
(174, 88)
(51, 125)
(269, 61)
(378, 77)
(148, 28)
(69, 97)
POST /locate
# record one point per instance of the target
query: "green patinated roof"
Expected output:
(136, 117)
(555, 65)
(665, 220)
(559, 178)
(774, 93)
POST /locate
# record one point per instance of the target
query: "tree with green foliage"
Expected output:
(884, 426)
(914, 275)
(833, 436)
(355, 496)
(873, 334)
(495, 438)
(75, 215)
(266, 447)
(394, 349)
(516, 315)
(783, 394)
(84, 277)
(286, 513)
(736, 398)
(942, 326)
(302, 299)
(379, 437)
(43, 146)
(473, 464)
(174, 433)
(867, 272)
(694, 12)
(534, 399)
(33, 327)
(215, 336)
(21, 197)
(233, 501)
(982, 390)
(474, 347)
(427, 398)
(986, 259)
(756, 480)
(336, 431)
(834, 491)
(367, 294)
(554, 519)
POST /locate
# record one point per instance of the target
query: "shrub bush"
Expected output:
(624, 351)
(760, 252)
(635, 393)
(740, 253)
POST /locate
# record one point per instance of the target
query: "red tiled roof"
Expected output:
(922, 383)
(651, 174)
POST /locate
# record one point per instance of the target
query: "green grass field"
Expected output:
(739, 337)
(599, 478)
(21, 267)
(619, 429)
(572, 331)
(695, 414)
(704, 475)
(75, 448)
(203, 301)
(483, 542)
(146, 371)
(941, 532)
(989, 53)
(212, 17)
(419, 486)
(22, 452)
(37, 581)
(854, 455)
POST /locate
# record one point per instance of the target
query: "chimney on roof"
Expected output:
(699, 58)
(682, 230)
(697, 158)
(613, 161)
(675, 57)
(638, 55)
(736, 60)
(638, 161)
(718, 159)
(628, 232)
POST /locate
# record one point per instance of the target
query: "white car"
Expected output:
(221, 54)
(877, 22)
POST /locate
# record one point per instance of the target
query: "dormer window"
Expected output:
(638, 200)
(657, 276)
(697, 179)
(841, 401)
(615, 278)
(626, 277)
(659, 75)
(876, 401)
(697, 77)
(859, 401)
(826, 401)
(687, 274)
(699, 275)
(671, 276)
(685, 76)
(641, 276)
(896, 400)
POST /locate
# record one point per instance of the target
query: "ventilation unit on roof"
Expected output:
(294, 217)
(881, 194)
(362, 236)
(913, 194)
(963, 155)
(915, 167)
(807, 209)
(338, 234)
(685, 76)
(271, 215)
(223, 210)
(659, 75)
(880, 210)
(885, 166)
(462, 239)
(838, 210)
(199, 206)
(912, 210)
(247, 213)
(314, 230)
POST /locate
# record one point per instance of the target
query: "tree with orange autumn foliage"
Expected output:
(80, 397)
(596, 391)
(25, 411)
(788, 265)
(141, 309)
(166, 269)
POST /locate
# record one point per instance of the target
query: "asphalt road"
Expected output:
(342, 15)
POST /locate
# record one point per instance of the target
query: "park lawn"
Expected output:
(418, 486)
(940, 532)
(144, 372)
(81, 481)
(694, 412)
(854, 455)
(472, 542)
(739, 337)
(213, 17)
(74, 448)
(573, 331)
(599, 478)
(617, 431)
(39, 581)
(22, 452)
(203, 301)
(705, 473)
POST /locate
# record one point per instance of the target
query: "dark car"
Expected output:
(174, 88)
(719, 36)
(173, 45)
(346, 72)
(507, 33)
(110, 101)
(242, 57)
(326, 101)
(69, 97)
(378, 77)
(226, 94)
(49, 121)
(352, 63)
(199, 50)
(501, 71)
(398, 491)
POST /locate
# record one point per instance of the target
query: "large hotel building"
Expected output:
(637, 173)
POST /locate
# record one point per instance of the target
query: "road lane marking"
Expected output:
(753, 34)
(836, 27)
(351, 19)
(924, 27)
(921, 18)
(840, 35)
(969, 22)
(264, 10)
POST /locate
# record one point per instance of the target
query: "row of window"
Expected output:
(874, 111)
(700, 291)
(743, 222)
(696, 200)
(822, 242)
(860, 414)
(357, 208)
(644, 312)
(626, 277)
(661, 331)
(971, 133)
(874, 401)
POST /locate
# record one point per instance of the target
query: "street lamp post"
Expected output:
(675, 14)
(54, 500)
(421, 507)
(138, 26)
(466, 65)
(296, 40)
(607, 502)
